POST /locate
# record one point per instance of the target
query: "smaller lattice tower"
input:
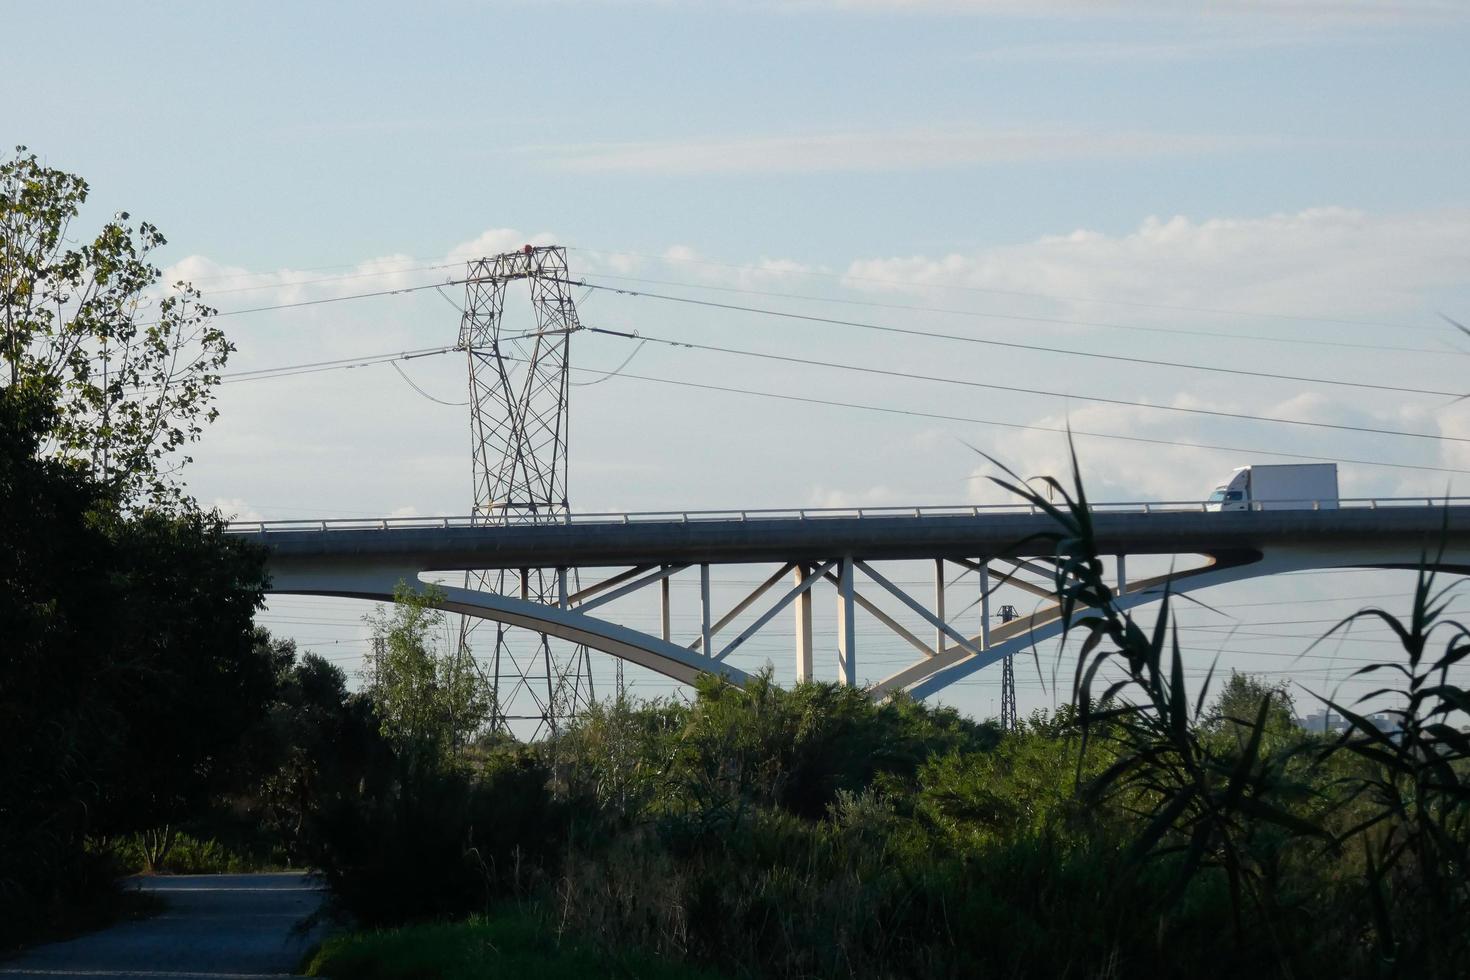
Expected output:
(1008, 720)
(518, 439)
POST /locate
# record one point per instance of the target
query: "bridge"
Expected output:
(601, 560)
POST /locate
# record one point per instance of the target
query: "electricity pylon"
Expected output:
(1008, 720)
(518, 440)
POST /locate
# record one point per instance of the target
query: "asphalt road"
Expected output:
(213, 927)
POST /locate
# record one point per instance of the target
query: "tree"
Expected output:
(431, 700)
(127, 669)
(130, 371)
(318, 744)
(1239, 702)
(127, 672)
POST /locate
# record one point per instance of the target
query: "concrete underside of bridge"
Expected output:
(1009, 549)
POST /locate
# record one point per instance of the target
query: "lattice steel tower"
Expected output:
(518, 438)
(1008, 717)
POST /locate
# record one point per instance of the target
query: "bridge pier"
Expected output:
(803, 627)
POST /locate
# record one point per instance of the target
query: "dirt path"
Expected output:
(214, 927)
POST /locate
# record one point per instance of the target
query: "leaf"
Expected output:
(1235, 790)
(1282, 818)
(1161, 824)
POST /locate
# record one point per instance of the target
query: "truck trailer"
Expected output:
(1285, 486)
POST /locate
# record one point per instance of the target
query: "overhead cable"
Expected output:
(1060, 321)
(363, 361)
(338, 299)
(291, 284)
(1054, 297)
(613, 373)
(804, 399)
(1015, 389)
(402, 374)
(1036, 348)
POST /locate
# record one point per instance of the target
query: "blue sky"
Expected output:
(363, 129)
(1297, 164)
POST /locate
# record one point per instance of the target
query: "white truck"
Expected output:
(1286, 486)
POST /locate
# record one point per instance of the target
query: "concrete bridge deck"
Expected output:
(1001, 547)
(723, 537)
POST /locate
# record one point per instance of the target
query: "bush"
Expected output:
(434, 842)
(507, 944)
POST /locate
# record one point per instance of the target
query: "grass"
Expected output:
(507, 944)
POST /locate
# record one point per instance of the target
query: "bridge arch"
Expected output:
(366, 560)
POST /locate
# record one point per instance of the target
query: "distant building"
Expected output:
(1323, 722)
(1385, 723)
(1330, 722)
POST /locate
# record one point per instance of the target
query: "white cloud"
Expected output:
(1351, 11)
(233, 287)
(1119, 470)
(494, 241)
(1322, 261)
(1100, 52)
(1312, 11)
(235, 509)
(876, 496)
(762, 272)
(915, 148)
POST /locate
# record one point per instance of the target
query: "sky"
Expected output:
(1267, 187)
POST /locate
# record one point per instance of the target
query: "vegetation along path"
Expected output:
(211, 926)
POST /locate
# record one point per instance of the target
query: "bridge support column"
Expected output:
(663, 606)
(803, 627)
(1122, 574)
(704, 612)
(984, 605)
(846, 626)
(939, 604)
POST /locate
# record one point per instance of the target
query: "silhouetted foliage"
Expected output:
(127, 668)
(127, 671)
(1153, 827)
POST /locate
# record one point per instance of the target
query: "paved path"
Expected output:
(213, 927)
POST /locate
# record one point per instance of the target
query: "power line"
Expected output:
(843, 277)
(1032, 428)
(1364, 385)
(1014, 389)
(338, 364)
(1036, 348)
(1054, 297)
(232, 276)
(363, 361)
(415, 387)
(614, 372)
(1061, 321)
(291, 284)
(338, 299)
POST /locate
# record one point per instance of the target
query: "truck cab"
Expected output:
(1234, 494)
(1277, 486)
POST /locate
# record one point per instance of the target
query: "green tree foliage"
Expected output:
(1150, 828)
(1409, 790)
(1203, 802)
(1232, 716)
(130, 369)
(127, 671)
(318, 743)
(429, 696)
(127, 666)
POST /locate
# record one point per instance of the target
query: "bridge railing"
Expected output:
(829, 513)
